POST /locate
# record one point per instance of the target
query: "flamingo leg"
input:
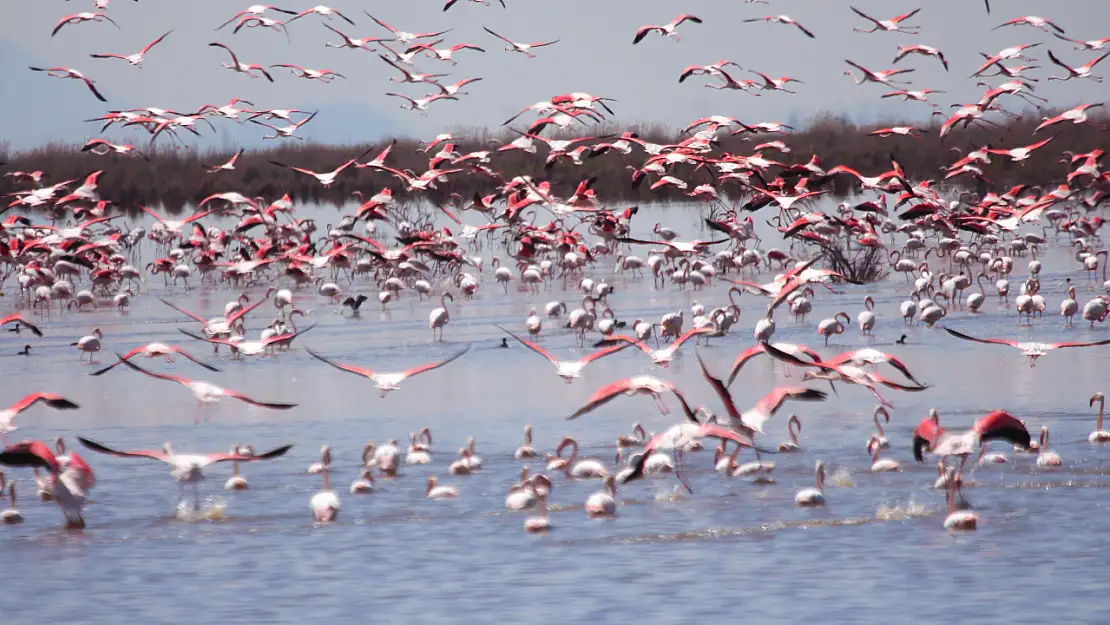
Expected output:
(678, 470)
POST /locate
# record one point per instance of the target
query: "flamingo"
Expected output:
(880, 435)
(436, 491)
(402, 36)
(67, 485)
(663, 357)
(206, 392)
(1083, 71)
(78, 18)
(782, 19)
(813, 496)
(998, 424)
(440, 317)
(667, 30)
(1028, 348)
(136, 59)
(541, 523)
(879, 465)
(679, 438)
(387, 382)
(364, 484)
(325, 504)
(66, 72)
(638, 385)
(188, 468)
(829, 327)
(603, 503)
(891, 25)
(573, 467)
(957, 519)
(238, 66)
(791, 445)
(324, 11)
(51, 400)
(237, 481)
(526, 450)
(523, 48)
(155, 350)
(11, 515)
(1099, 435)
(1047, 459)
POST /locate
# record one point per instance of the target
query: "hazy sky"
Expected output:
(595, 55)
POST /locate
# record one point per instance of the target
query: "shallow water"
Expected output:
(875, 553)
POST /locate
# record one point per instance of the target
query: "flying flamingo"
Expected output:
(904, 51)
(678, 438)
(567, 369)
(1031, 20)
(134, 59)
(421, 104)
(891, 25)
(320, 9)
(229, 165)
(451, 3)
(219, 325)
(68, 485)
(523, 48)
(65, 72)
(882, 77)
(326, 178)
(155, 350)
(285, 131)
(187, 468)
(244, 68)
(403, 36)
(930, 437)
(782, 19)
(638, 385)
(667, 30)
(663, 357)
(1028, 348)
(1083, 71)
(350, 42)
(257, 10)
(8, 415)
(387, 382)
(1020, 154)
(206, 392)
(323, 75)
(78, 18)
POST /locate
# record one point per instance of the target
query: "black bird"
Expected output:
(26, 351)
(354, 302)
(901, 341)
(504, 343)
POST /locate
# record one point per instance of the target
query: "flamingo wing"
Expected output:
(269, 455)
(766, 408)
(691, 333)
(965, 337)
(127, 356)
(186, 355)
(532, 346)
(255, 402)
(435, 365)
(720, 388)
(238, 314)
(54, 401)
(924, 436)
(601, 353)
(19, 319)
(628, 339)
(213, 340)
(1001, 425)
(30, 454)
(160, 376)
(742, 359)
(508, 41)
(97, 447)
(366, 373)
(609, 392)
(181, 310)
(1074, 344)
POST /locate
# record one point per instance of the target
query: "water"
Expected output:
(876, 553)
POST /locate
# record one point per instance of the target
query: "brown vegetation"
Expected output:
(174, 178)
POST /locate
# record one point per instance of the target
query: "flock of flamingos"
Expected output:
(64, 247)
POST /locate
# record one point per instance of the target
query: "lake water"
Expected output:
(733, 549)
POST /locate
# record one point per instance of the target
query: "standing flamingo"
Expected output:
(1099, 435)
(325, 504)
(866, 318)
(440, 316)
(813, 496)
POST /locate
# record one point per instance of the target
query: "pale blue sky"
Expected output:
(595, 55)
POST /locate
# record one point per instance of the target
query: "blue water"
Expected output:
(730, 550)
